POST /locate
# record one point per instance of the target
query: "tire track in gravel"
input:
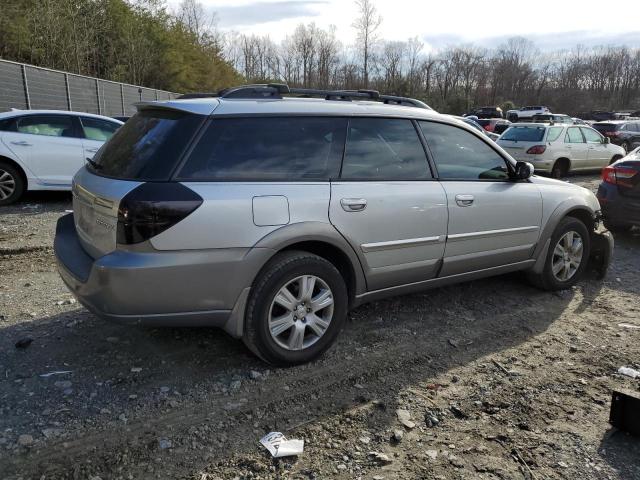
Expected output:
(391, 365)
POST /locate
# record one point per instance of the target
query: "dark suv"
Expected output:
(621, 132)
(488, 112)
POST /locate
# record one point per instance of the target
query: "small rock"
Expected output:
(397, 436)
(164, 389)
(341, 466)
(25, 440)
(432, 454)
(365, 440)
(122, 417)
(404, 417)
(24, 342)
(255, 375)
(105, 411)
(380, 458)
(431, 421)
(164, 443)
(136, 370)
(235, 385)
(63, 384)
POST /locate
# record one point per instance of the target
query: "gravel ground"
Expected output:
(489, 379)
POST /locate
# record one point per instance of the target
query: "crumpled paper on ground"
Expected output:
(279, 446)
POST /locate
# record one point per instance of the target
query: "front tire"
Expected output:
(11, 184)
(567, 257)
(297, 307)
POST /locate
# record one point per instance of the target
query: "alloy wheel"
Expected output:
(7, 184)
(301, 312)
(567, 256)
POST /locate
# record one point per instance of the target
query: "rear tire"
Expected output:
(615, 159)
(12, 185)
(297, 307)
(560, 169)
(567, 258)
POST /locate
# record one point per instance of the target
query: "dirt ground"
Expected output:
(494, 379)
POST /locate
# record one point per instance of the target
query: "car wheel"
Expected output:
(567, 257)
(559, 169)
(11, 184)
(297, 306)
(625, 146)
(615, 159)
(617, 227)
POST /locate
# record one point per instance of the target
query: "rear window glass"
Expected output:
(148, 146)
(524, 134)
(605, 127)
(268, 148)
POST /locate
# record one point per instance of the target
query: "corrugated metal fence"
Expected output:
(28, 87)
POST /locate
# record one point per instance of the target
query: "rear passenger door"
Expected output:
(493, 220)
(387, 204)
(577, 149)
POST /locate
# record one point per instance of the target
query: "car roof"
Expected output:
(292, 105)
(16, 113)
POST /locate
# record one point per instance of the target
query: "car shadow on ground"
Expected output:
(42, 201)
(115, 370)
(619, 449)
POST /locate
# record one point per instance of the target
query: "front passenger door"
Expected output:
(493, 220)
(387, 204)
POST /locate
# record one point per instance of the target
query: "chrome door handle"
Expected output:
(464, 200)
(353, 204)
(92, 150)
(22, 143)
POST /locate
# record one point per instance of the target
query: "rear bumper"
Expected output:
(157, 288)
(618, 209)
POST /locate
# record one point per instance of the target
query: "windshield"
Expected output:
(523, 134)
(147, 147)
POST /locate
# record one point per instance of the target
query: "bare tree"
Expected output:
(366, 26)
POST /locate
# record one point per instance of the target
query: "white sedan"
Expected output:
(43, 149)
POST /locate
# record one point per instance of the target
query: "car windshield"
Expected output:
(523, 134)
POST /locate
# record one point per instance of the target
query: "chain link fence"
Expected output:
(27, 87)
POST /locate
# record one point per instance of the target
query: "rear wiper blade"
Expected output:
(95, 165)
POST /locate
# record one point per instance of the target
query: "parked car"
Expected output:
(559, 149)
(552, 118)
(488, 112)
(490, 124)
(43, 149)
(473, 122)
(619, 193)
(621, 132)
(526, 113)
(272, 219)
(500, 127)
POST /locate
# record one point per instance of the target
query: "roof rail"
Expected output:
(277, 90)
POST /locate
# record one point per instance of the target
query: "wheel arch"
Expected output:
(18, 167)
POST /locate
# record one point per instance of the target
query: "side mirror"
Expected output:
(607, 140)
(524, 170)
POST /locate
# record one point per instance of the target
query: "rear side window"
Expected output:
(384, 149)
(554, 133)
(460, 155)
(47, 125)
(524, 134)
(268, 148)
(605, 127)
(573, 136)
(148, 146)
(96, 129)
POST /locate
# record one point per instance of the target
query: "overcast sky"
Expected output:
(552, 24)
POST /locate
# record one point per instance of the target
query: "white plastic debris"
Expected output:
(630, 326)
(58, 372)
(279, 446)
(629, 372)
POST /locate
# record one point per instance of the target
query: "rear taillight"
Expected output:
(537, 149)
(152, 208)
(618, 175)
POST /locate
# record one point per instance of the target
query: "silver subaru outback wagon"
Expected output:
(271, 215)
